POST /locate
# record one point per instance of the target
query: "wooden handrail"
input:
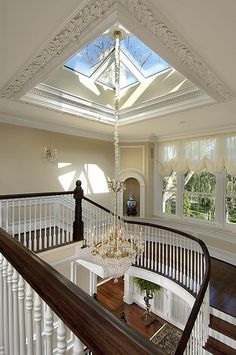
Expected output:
(97, 328)
(205, 282)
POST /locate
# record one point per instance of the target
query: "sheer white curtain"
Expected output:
(214, 153)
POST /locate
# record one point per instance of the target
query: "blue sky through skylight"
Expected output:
(88, 59)
(143, 58)
(93, 55)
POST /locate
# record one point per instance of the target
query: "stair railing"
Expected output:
(174, 254)
(31, 291)
(171, 253)
(39, 220)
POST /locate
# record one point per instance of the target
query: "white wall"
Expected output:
(23, 170)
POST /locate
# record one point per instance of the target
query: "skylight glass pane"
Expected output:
(144, 58)
(89, 58)
(126, 77)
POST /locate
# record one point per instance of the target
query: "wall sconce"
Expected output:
(49, 153)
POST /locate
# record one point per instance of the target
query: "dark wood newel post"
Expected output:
(78, 224)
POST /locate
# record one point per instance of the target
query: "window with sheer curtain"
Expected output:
(213, 153)
(197, 178)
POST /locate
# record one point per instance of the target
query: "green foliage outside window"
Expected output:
(199, 195)
(230, 199)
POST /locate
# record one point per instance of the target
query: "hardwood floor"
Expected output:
(222, 297)
(223, 287)
(110, 294)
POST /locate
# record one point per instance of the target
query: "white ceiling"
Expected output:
(207, 28)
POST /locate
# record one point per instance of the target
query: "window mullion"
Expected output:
(220, 197)
(179, 194)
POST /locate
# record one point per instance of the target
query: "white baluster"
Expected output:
(19, 220)
(10, 308)
(5, 306)
(167, 254)
(177, 258)
(29, 304)
(40, 224)
(7, 216)
(45, 242)
(35, 226)
(63, 223)
(13, 218)
(181, 261)
(2, 351)
(30, 227)
(38, 323)
(21, 298)
(170, 265)
(50, 223)
(59, 223)
(15, 279)
(78, 347)
(25, 240)
(48, 330)
(61, 338)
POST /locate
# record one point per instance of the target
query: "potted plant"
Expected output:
(150, 288)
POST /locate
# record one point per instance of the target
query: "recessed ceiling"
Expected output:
(187, 37)
(85, 83)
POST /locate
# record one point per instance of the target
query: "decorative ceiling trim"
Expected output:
(145, 16)
(44, 95)
(96, 10)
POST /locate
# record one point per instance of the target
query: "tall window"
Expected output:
(199, 195)
(169, 194)
(230, 199)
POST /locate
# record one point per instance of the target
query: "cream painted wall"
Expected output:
(139, 158)
(23, 170)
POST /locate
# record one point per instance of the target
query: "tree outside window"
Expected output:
(169, 193)
(199, 195)
(230, 199)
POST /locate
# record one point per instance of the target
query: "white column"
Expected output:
(61, 338)
(16, 337)
(92, 283)
(10, 308)
(167, 303)
(128, 289)
(78, 347)
(21, 297)
(73, 272)
(5, 305)
(29, 318)
(38, 323)
(2, 351)
(48, 330)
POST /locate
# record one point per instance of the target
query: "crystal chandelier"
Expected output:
(117, 250)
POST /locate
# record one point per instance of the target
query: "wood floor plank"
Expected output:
(223, 287)
(110, 294)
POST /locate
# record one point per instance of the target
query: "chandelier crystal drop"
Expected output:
(115, 249)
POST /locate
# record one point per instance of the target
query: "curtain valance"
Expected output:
(214, 153)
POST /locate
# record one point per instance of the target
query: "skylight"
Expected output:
(126, 77)
(88, 59)
(94, 56)
(148, 62)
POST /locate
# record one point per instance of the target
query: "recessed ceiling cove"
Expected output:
(74, 72)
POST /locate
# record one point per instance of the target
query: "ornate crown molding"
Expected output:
(73, 29)
(145, 16)
(95, 10)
